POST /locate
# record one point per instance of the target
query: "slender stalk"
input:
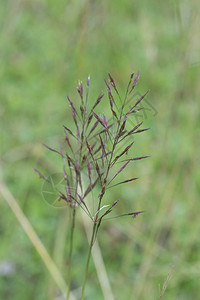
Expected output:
(88, 260)
(70, 253)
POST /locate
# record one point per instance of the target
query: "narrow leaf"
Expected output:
(98, 211)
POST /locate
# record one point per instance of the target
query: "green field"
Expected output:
(45, 48)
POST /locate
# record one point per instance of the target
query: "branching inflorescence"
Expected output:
(98, 145)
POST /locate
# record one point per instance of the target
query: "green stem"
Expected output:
(70, 253)
(88, 260)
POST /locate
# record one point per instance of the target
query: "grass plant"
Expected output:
(99, 145)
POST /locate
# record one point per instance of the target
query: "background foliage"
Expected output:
(45, 47)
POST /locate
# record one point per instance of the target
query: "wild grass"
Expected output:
(97, 151)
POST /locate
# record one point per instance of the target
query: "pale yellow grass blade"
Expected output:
(32, 235)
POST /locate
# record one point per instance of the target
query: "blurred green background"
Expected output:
(45, 47)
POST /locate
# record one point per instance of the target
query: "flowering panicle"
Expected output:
(92, 147)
